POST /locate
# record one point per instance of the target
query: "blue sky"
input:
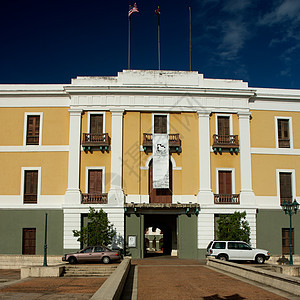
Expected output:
(45, 41)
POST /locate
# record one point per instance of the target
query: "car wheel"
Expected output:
(106, 260)
(72, 260)
(260, 259)
(223, 257)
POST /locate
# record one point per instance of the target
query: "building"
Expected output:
(66, 147)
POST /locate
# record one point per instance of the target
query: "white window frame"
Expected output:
(232, 170)
(161, 114)
(89, 120)
(87, 177)
(230, 122)
(290, 131)
(292, 171)
(23, 169)
(26, 115)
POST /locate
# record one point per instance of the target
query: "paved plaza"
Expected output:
(155, 278)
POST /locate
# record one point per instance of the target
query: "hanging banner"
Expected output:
(160, 150)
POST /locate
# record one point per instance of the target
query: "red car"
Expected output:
(93, 254)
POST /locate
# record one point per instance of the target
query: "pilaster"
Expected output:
(116, 194)
(72, 196)
(205, 195)
(246, 194)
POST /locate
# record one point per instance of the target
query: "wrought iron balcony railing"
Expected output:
(174, 142)
(227, 198)
(226, 141)
(99, 140)
(94, 199)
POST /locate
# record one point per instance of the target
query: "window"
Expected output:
(286, 194)
(219, 245)
(286, 241)
(160, 124)
(95, 181)
(96, 123)
(33, 130)
(225, 182)
(29, 241)
(30, 186)
(283, 133)
(223, 126)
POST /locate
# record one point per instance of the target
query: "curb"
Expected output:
(112, 288)
(273, 279)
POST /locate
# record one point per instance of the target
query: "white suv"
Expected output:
(236, 250)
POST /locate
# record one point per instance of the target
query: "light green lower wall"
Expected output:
(187, 236)
(269, 224)
(12, 223)
(135, 227)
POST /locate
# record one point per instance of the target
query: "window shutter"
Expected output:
(33, 130)
(223, 126)
(95, 182)
(285, 187)
(96, 124)
(160, 124)
(283, 133)
(225, 184)
(30, 187)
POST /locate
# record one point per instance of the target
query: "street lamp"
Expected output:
(290, 208)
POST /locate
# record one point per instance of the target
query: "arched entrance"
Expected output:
(160, 195)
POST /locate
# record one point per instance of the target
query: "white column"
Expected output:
(246, 194)
(72, 196)
(205, 195)
(116, 194)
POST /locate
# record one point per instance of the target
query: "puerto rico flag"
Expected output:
(132, 9)
(157, 11)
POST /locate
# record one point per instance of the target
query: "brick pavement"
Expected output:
(190, 279)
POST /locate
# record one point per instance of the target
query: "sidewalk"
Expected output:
(190, 279)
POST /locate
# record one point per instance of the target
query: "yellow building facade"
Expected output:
(91, 143)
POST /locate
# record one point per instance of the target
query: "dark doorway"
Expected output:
(166, 241)
(29, 241)
(160, 195)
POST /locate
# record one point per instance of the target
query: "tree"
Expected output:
(233, 227)
(98, 231)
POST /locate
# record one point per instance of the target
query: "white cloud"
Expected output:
(288, 10)
(234, 36)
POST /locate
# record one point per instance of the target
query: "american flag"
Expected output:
(157, 11)
(132, 9)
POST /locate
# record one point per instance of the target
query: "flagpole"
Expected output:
(129, 31)
(190, 42)
(158, 37)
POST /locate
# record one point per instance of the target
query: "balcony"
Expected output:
(174, 142)
(96, 141)
(227, 198)
(225, 142)
(94, 199)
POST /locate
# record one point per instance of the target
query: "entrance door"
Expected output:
(29, 241)
(160, 195)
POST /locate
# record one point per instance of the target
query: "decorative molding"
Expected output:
(34, 148)
(275, 151)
